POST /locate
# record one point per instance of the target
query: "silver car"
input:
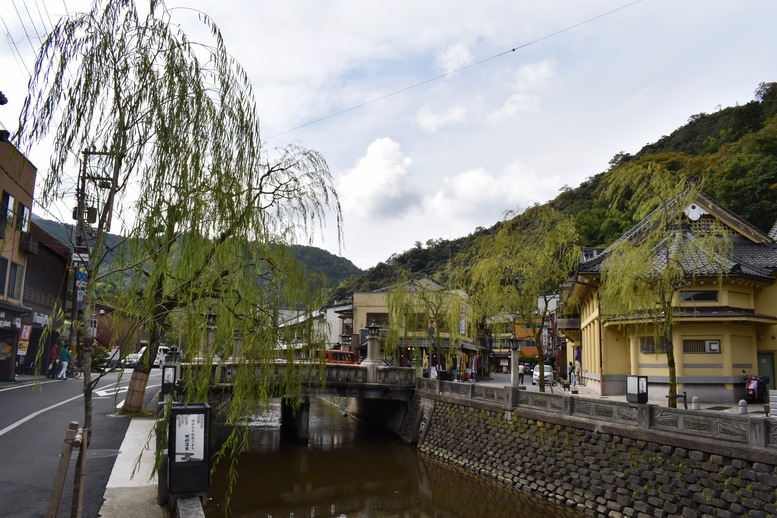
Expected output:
(535, 377)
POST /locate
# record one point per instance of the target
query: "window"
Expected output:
(3, 274)
(379, 318)
(22, 217)
(647, 345)
(417, 322)
(701, 346)
(15, 281)
(699, 296)
(7, 203)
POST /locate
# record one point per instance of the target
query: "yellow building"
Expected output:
(421, 333)
(721, 331)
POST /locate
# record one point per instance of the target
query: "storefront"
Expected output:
(10, 326)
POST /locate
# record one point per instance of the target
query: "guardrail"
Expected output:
(310, 374)
(749, 430)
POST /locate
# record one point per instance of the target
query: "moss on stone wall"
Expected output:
(600, 474)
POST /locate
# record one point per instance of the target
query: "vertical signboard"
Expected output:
(189, 461)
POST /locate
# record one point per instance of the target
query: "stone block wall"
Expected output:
(602, 470)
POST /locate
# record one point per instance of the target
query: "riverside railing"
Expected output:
(749, 430)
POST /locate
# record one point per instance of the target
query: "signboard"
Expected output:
(189, 437)
(80, 259)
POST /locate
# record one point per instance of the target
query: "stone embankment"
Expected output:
(597, 466)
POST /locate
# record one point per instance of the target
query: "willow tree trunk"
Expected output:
(137, 389)
(672, 367)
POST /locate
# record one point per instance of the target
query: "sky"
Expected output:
(437, 117)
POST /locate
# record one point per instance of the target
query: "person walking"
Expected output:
(53, 360)
(571, 370)
(65, 358)
(521, 372)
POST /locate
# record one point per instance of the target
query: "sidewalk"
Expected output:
(501, 380)
(131, 491)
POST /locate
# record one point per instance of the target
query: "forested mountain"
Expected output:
(317, 261)
(734, 151)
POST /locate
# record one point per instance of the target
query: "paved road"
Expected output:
(33, 420)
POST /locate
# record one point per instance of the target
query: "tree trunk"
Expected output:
(136, 391)
(672, 366)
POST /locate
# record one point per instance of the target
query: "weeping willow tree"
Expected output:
(426, 317)
(519, 269)
(643, 271)
(207, 209)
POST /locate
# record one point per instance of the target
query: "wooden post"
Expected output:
(64, 462)
(79, 480)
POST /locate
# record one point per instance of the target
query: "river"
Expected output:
(349, 470)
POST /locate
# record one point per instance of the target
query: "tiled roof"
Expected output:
(754, 254)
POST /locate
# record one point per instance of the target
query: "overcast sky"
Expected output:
(462, 127)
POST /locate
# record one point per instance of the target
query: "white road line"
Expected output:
(25, 385)
(36, 414)
(39, 412)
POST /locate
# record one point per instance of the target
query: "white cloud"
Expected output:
(430, 122)
(379, 184)
(453, 58)
(531, 81)
(477, 197)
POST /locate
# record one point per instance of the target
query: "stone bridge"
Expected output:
(370, 381)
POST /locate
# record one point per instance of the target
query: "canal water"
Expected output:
(349, 470)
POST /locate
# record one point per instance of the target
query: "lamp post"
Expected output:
(514, 344)
(206, 347)
(371, 361)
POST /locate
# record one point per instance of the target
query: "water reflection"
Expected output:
(349, 470)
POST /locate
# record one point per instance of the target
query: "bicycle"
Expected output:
(72, 372)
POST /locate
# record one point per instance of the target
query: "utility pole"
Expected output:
(81, 251)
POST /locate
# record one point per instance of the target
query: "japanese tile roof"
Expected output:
(754, 254)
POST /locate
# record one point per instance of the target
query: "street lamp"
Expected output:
(373, 329)
(371, 361)
(514, 344)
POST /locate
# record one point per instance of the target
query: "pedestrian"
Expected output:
(65, 358)
(53, 357)
(521, 372)
(571, 370)
(577, 371)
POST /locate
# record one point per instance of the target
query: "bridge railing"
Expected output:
(734, 428)
(311, 373)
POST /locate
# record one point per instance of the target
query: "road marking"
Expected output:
(111, 391)
(36, 414)
(39, 412)
(34, 384)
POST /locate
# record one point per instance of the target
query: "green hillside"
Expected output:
(334, 269)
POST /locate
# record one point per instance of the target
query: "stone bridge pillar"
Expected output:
(296, 425)
(371, 361)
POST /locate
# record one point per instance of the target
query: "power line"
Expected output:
(471, 65)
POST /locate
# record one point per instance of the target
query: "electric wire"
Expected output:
(471, 65)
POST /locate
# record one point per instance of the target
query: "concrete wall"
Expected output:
(600, 464)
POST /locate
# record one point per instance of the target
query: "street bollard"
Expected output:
(742, 406)
(695, 403)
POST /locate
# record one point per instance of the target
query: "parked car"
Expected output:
(132, 359)
(535, 377)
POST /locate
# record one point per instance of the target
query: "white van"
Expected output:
(163, 350)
